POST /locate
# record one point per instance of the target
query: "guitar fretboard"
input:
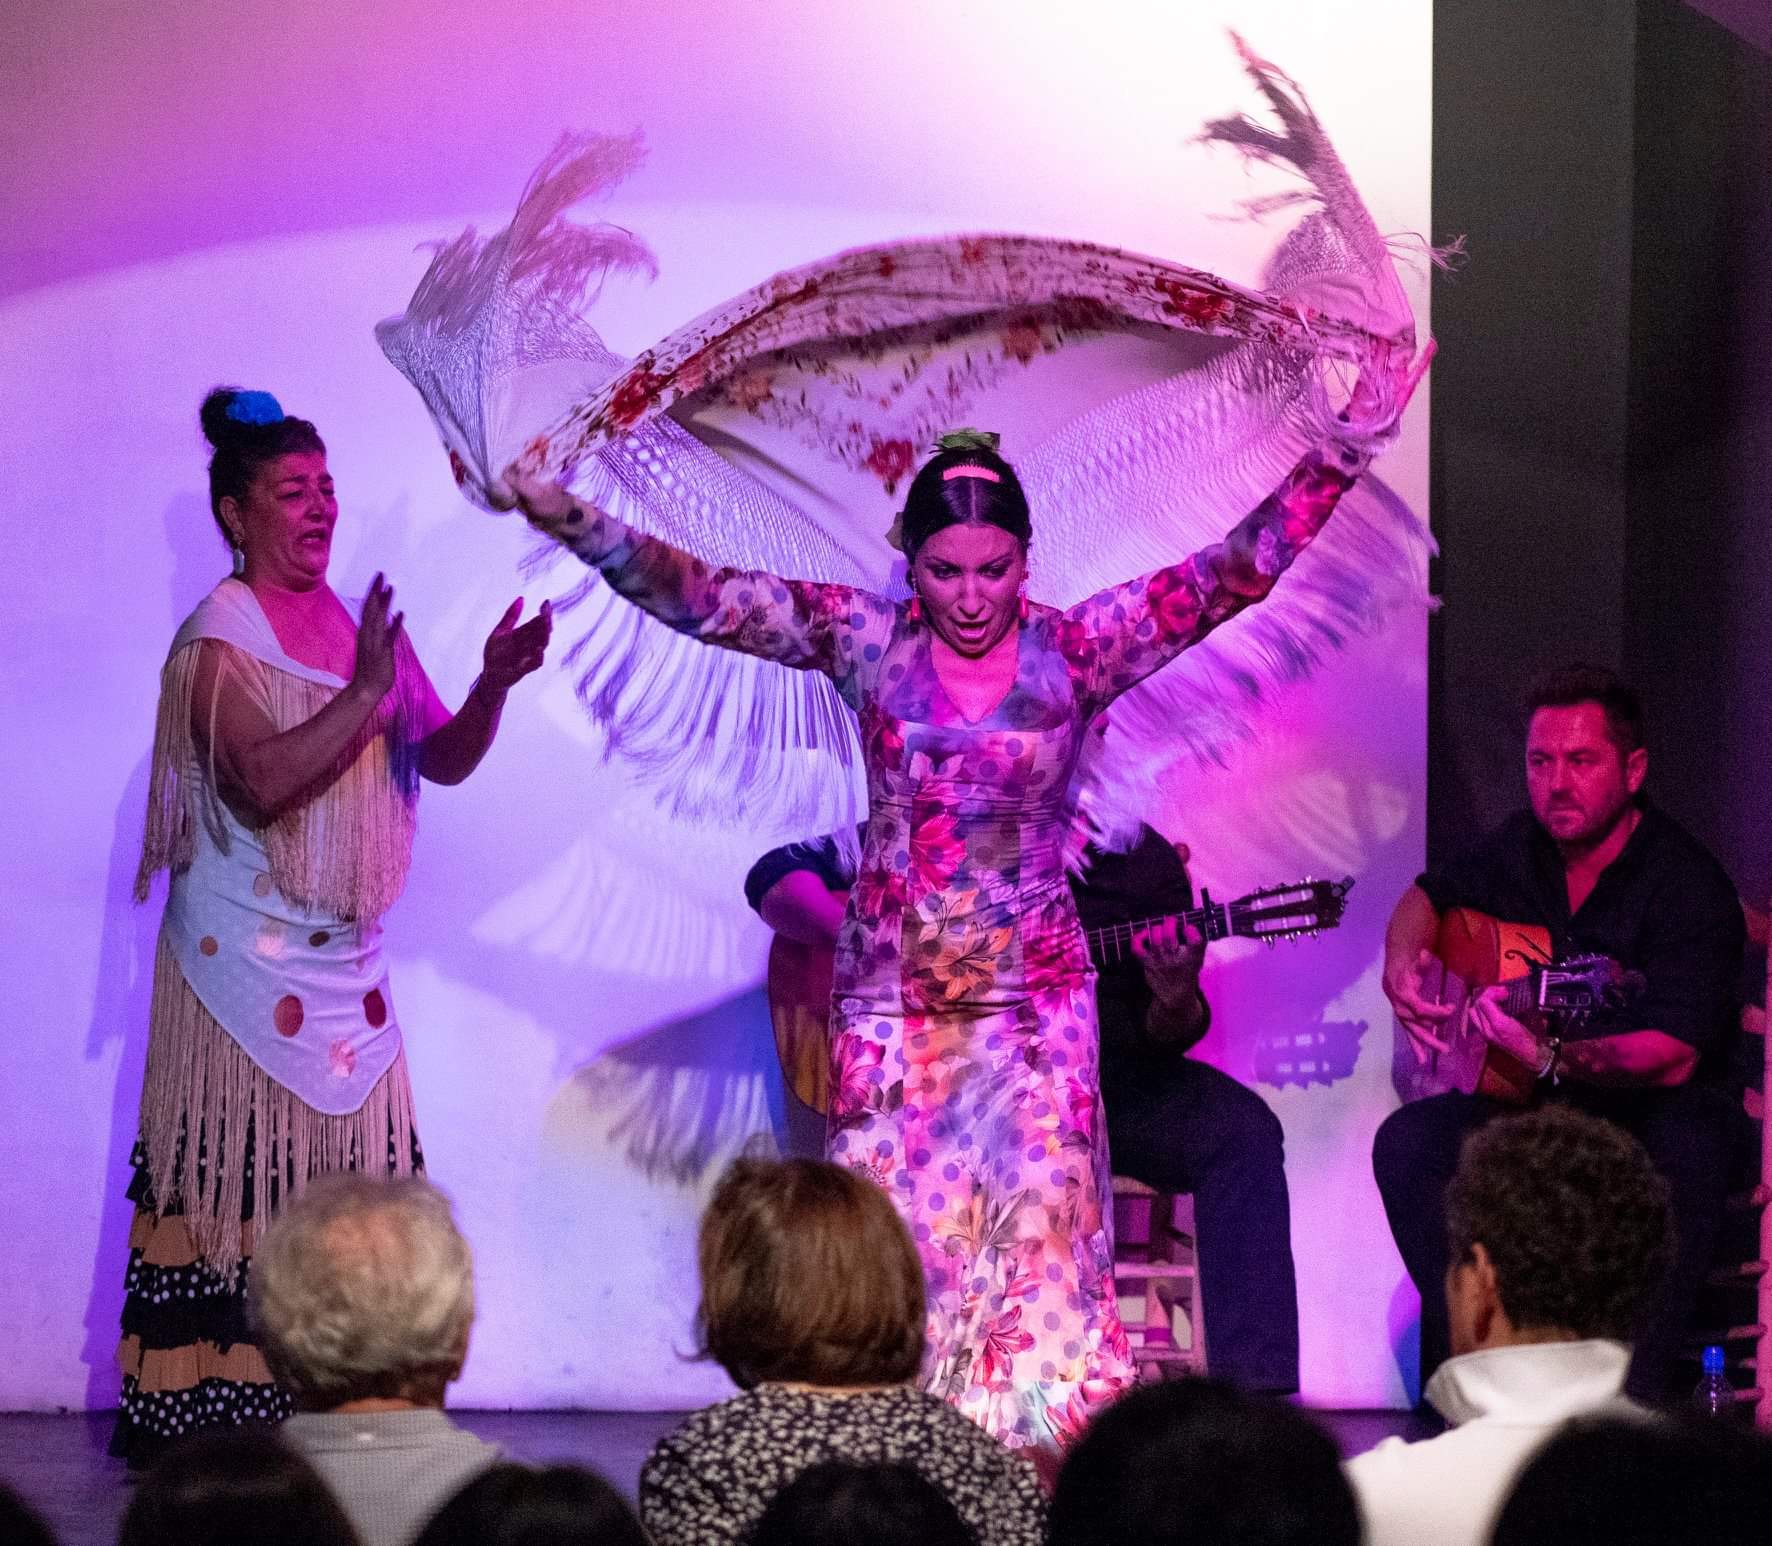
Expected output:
(1113, 942)
(1264, 917)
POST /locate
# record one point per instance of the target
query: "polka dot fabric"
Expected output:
(964, 1075)
(189, 1357)
(708, 1483)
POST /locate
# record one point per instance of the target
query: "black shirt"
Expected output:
(1147, 881)
(1664, 907)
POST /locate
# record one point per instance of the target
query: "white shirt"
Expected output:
(1503, 1403)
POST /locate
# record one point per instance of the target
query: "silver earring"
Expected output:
(239, 560)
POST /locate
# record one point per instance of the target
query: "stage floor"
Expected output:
(59, 1462)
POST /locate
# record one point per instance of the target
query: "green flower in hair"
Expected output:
(969, 440)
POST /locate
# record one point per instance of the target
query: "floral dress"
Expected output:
(964, 1056)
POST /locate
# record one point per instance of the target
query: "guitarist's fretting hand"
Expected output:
(1172, 959)
(1419, 1016)
(1502, 1030)
(1171, 954)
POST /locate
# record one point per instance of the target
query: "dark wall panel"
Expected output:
(1602, 403)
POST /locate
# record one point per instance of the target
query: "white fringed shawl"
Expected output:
(343, 851)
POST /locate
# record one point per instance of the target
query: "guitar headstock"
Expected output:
(1289, 912)
(1586, 985)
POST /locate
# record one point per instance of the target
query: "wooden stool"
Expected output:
(1157, 1279)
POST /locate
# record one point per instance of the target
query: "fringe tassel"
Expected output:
(169, 833)
(198, 1095)
(346, 848)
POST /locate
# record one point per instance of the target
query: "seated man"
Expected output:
(1172, 1122)
(363, 1291)
(1601, 869)
(1559, 1231)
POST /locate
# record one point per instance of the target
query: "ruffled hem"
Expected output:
(150, 1422)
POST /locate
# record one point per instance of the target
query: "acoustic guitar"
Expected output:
(800, 975)
(1577, 997)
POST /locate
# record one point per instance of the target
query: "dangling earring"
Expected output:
(916, 613)
(1022, 605)
(239, 560)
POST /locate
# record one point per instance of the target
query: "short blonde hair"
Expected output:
(363, 1288)
(807, 1274)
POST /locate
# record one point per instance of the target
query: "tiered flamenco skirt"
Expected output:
(189, 1356)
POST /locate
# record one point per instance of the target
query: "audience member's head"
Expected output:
(1193, 1462)
(807, 1275)
(231, 1485)
(364, 1289)
(1636, 1482)
(860, 1505)
(20, 1524)
(519, 1505)
(1559, 1228)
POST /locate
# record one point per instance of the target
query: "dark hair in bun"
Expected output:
(935, 500)
(247, 430)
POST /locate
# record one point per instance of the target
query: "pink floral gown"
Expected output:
(964, 1067)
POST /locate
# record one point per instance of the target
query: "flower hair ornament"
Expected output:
(255, 408)
(970, 440)
(954, 440)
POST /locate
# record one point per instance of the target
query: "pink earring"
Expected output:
(1023, 605)
(916, 613)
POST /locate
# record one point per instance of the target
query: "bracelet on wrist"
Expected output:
(1547, 1068)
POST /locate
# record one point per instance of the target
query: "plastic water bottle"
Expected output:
(1714, 1396)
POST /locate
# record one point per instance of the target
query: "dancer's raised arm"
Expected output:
(1119, 636)
(798, 623)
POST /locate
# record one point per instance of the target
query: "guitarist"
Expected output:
(1172, 1122)
(1602, 870)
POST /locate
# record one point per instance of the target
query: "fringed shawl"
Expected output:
(1147, 406)
(344, 851)
(347, 848)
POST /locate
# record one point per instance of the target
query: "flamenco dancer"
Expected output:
(964, 1062)
(964, 1048)
(293, 730)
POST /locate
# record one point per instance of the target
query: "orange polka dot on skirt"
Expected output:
(208, 945)
(287, 1015)
(375, 1008)
(318, 938)
(261, 885)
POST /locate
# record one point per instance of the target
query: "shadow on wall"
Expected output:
(681, 1099)
(1324, 1053)
(123, 977)
(1286, 1025)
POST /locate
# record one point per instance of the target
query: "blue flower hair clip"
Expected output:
(255, 408)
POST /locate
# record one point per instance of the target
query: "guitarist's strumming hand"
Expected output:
(1418, 1014)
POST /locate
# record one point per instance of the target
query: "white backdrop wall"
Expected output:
(208, 193)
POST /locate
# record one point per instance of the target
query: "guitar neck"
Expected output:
(1521, 998)
(1113, 942)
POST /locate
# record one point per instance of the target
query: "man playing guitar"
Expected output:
(1173, 1123)
(1599, 869)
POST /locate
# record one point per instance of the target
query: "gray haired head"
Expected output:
(362, 1289)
